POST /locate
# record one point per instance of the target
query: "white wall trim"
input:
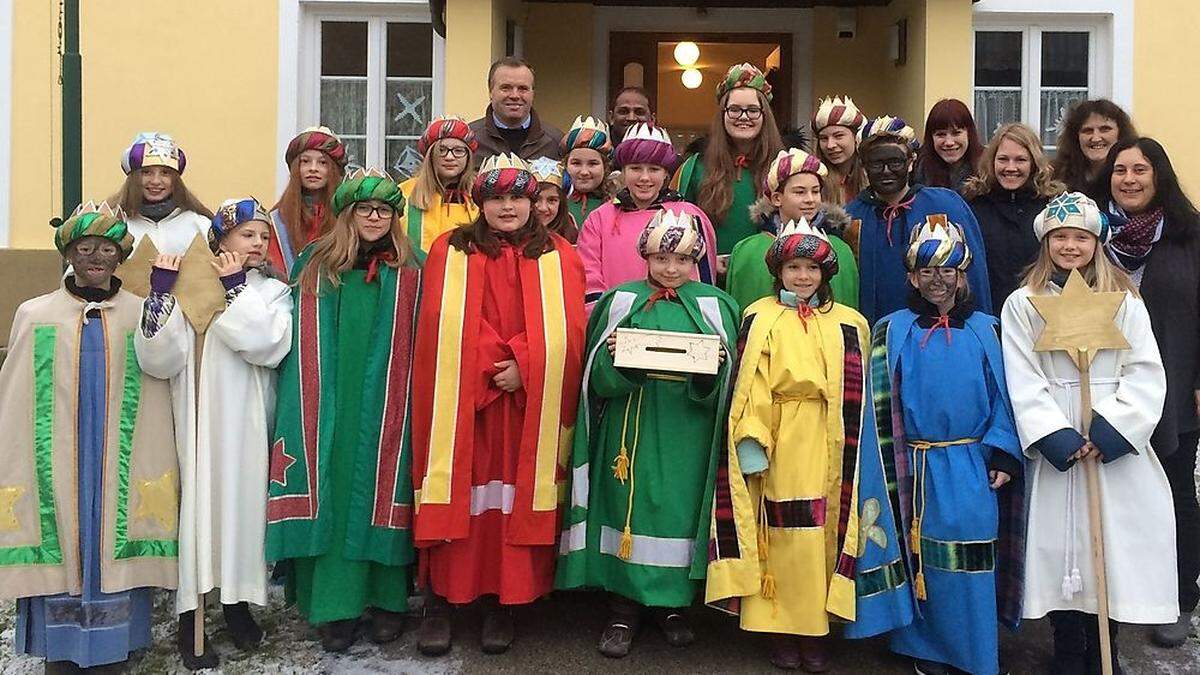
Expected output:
(288, 110)
(6, 130)
(717, 20)
(1118, 14)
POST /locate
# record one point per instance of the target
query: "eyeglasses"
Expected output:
(751, 113)
(455, 151)
(893, 165)
(944, 273)
(365, 210)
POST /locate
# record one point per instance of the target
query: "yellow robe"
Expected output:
(794, 381)
(423, 227)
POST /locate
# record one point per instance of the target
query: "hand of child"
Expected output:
(722, 264)
(1088, 450)
(997, 479)
(229, 263)
(721, 354)
(509, 377)
(168, 262)
(612, 344)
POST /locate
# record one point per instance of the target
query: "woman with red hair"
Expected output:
(951, 148)
(316, 161)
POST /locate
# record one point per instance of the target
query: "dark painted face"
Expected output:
(887, 167)
(94, 260)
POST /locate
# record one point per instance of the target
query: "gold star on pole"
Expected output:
(1080, 321)
(158, 500)
(198, 288)
(9, 496)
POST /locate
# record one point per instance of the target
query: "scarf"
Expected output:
(156, 211)
(624, 200)
(369, 257)
(1133, 241)
(803, 309)
(91, 293)
(661, 294)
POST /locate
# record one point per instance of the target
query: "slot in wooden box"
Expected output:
(667, 351)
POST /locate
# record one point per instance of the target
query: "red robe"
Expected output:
(490, 528)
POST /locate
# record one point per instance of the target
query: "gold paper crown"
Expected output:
(589, 122)
(503, 161)
(103, 208)
(667, 218)
(647, 132)
(801, 228)
(547, 170)
(362, 172)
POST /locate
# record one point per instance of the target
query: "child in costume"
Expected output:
(316, 161)
(550, 205)
(793, 419)
(1128, 387)
(438, 196)
(498, 358)
(586, 150)
(154, 199)
(223, 394)
(937, 368)
(89, 494)
(742, 140)
(886, 213)
(609, 236)
(339, 500)
(796, 182)
(836, 124)
(645, 449)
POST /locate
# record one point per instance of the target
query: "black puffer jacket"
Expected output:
(1006, 220)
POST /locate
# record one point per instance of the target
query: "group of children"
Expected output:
(432, 400)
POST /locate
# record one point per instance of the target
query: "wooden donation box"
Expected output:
(667, 351)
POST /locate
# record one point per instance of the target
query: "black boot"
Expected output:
(434, 636)
(1070, 643)
(338, 636)
(1093, 645)
(243, 629)
(186, 643)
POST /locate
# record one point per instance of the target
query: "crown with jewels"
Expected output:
(938, 243)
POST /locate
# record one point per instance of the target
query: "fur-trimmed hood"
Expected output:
(830, 217)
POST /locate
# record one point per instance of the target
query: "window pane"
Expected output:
(1055, 103)
(409, 106)
(1064, 59)
(994, 109)
(409, 50)
(997, 59)
(344, 105)
(343, 48)
(402, 157)
(356, 151)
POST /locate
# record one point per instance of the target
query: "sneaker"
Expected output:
(1172, 635)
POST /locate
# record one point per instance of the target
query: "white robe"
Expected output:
(1137, 516)
(171, 235)
(223, 418)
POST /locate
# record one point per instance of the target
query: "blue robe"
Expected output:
(96, 628)
(883, 285)
(944, 386)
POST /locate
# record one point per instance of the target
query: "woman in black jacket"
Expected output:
(1012, 186)
(1160, 248)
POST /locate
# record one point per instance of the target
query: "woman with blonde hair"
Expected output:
(155, 200)
(316, 161)
(1013, 184)
(742, 142)
(339, 500)
(438, 196)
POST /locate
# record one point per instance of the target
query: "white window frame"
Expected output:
(300, 64)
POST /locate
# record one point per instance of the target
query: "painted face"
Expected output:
(1012, 165)
(314, 169)
(836, 144)
(950, 144)
(373, 219)
(158, 182)
(670, 270)
(545, 209)
(800, 197)
(630, 108)
(1096, 135)
(506, 213)
(94, 260)
(801, 276)
(743, 115)
(512, 93)
(938, 285)
(450, 157)
(586, 168)
(1133, 181)
(887, 166)
(644, 181)
(250, 238)
(1071, 248)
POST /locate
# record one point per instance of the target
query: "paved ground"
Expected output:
(559, 636)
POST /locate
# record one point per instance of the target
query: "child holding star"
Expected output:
(1128, 387)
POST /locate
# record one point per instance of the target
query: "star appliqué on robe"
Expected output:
(280, 463)
(158, 501)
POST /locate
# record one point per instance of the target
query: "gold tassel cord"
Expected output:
(621, 465)
(920, 454)
(767, 591)
(625, 550)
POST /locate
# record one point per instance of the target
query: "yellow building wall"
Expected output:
(857, 67)
(1165, 99)
(475, 37)
(559, 44)
(35, 191)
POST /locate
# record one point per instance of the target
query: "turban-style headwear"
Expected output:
(889, 127)
(316, 138)
(95, 220)
(790, 162)
(798, 239)
(837, 112)
(1073, 209)
(504, 174)
(672, 232)
(234, 212)
(447, 127)
(587, 132)
(646, 144)
(938, 243)
(153, 148)
(364, 185)
(744, 75)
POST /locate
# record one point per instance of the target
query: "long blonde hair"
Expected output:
(129, 196)
(337, 251)
(1101, 273)
(1041, 173)
(715, 195)
(428, 183)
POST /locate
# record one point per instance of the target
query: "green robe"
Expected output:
(737, 223)
(672, 425)
(748, 278)
(580, 208)
(353, 550)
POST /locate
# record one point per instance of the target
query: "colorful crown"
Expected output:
(504, 174)
(938, 243)
(646, 144)
(366, 184)
(744, 75)
(839, 111)
(798, 239)
(1072, 209)
(234, 212)
(547, 170)
(887, 126)
(587, 132)
(316, 138)
(790, 162)
(447, 127)
(94, 220)
(153, 148)
(672, 232)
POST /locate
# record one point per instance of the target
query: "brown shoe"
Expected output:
(675, 628)
(433, 637)
(497, 633)
(385, 626)
(814, 654)
(338, 636)
(785, 652)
